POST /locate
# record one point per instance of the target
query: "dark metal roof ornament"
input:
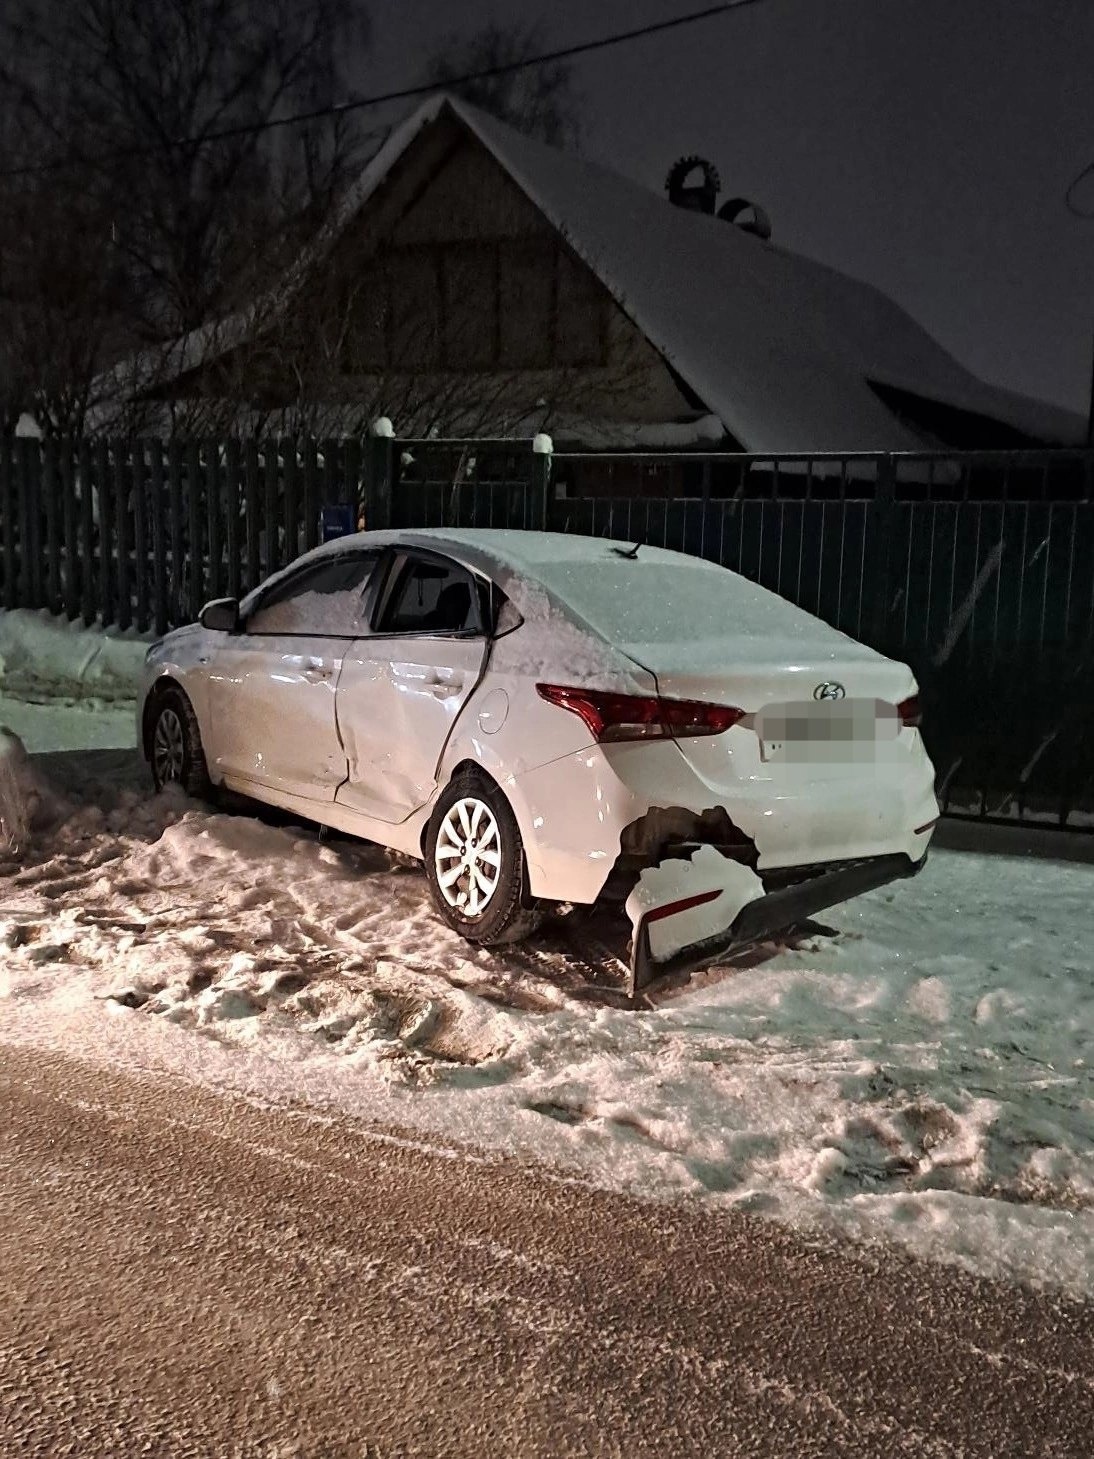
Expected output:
(699, 197)
(747, 216)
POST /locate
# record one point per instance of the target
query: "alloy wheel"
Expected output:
(168, 747)
(467, 856)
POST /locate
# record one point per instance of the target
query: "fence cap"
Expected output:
(382, 426)
(542, 444)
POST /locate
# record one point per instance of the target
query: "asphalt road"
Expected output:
(186, 1274)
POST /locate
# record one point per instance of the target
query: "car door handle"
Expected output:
(317, 673)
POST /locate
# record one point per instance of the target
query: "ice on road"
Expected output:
(919, 1072)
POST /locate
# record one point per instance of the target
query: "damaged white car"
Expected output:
(548, 719)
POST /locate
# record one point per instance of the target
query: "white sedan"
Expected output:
(547, 719)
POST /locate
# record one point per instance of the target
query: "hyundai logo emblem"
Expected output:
(830, 690)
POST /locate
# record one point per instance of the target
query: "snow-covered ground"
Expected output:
(920, 1072)
(62, 684)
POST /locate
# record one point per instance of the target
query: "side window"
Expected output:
(431, 596)
(326, 600)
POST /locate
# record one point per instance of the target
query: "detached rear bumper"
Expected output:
(809, 890)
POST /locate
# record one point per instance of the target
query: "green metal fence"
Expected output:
(977, 569)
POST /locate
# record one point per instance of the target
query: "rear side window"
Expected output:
(326, 600)
(431, 596)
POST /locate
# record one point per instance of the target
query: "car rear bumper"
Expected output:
(578, 815)
(797, 895)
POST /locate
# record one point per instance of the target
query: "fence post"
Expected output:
(7, 521)
(879, 543)
(542, 453)
(380, 474)
(27, 462)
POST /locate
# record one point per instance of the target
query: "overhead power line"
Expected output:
(405, 93)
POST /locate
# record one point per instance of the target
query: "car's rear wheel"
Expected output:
(174, 745)
(474, 860)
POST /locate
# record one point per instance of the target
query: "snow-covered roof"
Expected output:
(782, 350)
(780, 347)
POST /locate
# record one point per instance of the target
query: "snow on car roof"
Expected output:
(658, 597)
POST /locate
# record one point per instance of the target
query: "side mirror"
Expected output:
(221, 615)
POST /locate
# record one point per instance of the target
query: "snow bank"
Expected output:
(16, 796)
(64, 686)
(921, 1073)
(45, 656)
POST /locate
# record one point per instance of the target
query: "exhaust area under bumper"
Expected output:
(774, 911)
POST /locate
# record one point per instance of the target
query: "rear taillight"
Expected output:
(908, 709)
(638, 716)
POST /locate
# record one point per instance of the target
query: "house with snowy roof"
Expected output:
(475, 281)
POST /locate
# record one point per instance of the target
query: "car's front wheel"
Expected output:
(474, 860)
(174, 745)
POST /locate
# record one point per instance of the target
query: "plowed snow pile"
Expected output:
(922, 1073)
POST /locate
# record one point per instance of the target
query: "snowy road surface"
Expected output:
(187, 1274)
(921, 1074)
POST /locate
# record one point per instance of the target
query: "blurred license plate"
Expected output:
(817, 732)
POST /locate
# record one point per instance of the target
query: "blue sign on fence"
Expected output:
(336, 521)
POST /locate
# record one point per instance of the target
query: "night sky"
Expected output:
(923, 145)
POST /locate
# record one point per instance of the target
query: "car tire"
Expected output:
(474, 862)
(174, 746)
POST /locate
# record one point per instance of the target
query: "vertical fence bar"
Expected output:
(351, 477)
(87, 534)
(140, 534)
(273, 482)
(214, 514)
(104, 462)
(878, 531)
(35, 514)
(311, 495)
(69, 534)
(291, 499)
(196, 593)
(251, 513)
(8, 512)
(24, 490)
(51, 502)
(176, 475)
(122, 483)
(231, 517)
(334, 486)
(159, 536)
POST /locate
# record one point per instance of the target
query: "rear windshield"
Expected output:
(658, 601)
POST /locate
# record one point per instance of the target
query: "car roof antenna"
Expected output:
(628, 552)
